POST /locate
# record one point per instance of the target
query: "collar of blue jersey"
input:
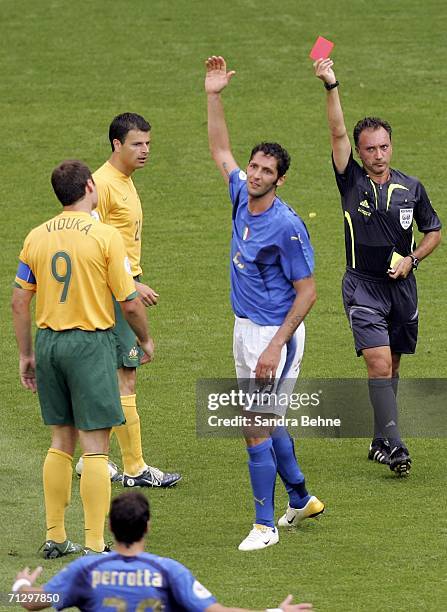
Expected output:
(264, 212)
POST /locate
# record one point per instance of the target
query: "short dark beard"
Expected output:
(261, 195)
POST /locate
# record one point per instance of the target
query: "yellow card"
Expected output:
(395, 259)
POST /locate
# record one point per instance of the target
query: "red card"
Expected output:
(321, 49)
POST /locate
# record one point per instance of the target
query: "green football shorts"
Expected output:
(76, 376)
(128, 353)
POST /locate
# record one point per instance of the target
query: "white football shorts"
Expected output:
(249, 341)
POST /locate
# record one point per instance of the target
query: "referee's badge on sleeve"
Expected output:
(406, 217)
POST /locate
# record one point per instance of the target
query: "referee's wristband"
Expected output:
(330, 86)
(18, 584)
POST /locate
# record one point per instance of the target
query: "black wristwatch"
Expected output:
(330, 86)
(415, 261)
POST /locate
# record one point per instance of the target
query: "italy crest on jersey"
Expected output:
(406, 217)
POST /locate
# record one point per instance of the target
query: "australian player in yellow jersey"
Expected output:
(119, 205)
(74, 263)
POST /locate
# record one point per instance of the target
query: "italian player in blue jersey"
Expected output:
(272, 290)
(128, 579)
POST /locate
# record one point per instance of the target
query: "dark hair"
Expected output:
(370, 123)
(129, 514)
(69, 180)
(122, 124)
(275, 150)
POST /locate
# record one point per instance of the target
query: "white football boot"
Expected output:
(260, 537)
(294, 516)
(114, 472)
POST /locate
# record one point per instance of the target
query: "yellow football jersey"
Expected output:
(75, 263)
(119, 205)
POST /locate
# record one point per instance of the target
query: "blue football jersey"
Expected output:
(128, 584)
(268, 252)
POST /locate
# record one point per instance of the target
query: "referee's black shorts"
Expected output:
(381, 312)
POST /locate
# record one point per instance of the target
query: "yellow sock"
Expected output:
(57, 474)
(129, 437)
(95, 495)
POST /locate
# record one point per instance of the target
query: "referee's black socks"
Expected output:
(383, 400)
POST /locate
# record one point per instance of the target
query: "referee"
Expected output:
(379, 288)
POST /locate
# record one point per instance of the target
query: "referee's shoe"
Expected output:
(400, 461)
(379, 450)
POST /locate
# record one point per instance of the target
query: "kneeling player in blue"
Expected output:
(128, 579)
(272, 290)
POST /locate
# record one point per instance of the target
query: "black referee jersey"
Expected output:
(379, 218)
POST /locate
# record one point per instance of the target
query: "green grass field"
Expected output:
(67, 68)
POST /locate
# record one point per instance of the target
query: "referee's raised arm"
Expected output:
(217, 78)
(341, 146)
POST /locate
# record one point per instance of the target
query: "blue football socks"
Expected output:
(262, 468)
(288, 468)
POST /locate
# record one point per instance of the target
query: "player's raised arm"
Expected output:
(341, 147)
(217, 78)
